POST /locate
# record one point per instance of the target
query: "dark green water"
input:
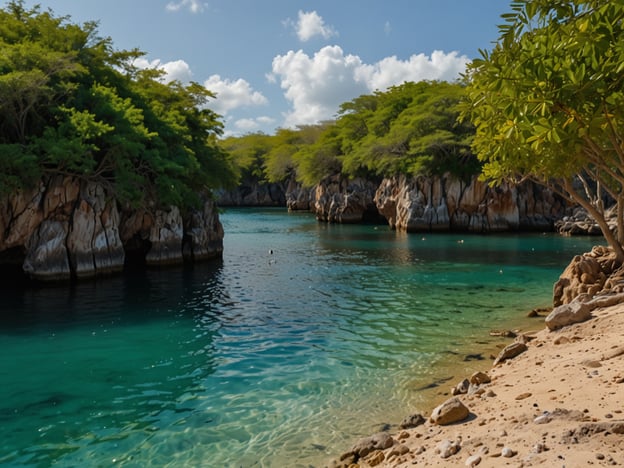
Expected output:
(262, 359)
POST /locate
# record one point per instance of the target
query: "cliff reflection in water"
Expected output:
(114, 359)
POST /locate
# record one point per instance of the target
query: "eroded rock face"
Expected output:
(203, 234)
(253, 193)
(340, 200)
(587, 275)
(449, 204)
(299, 198)
(66, 228)
(93, 241)
(579, 223)
(47, 257)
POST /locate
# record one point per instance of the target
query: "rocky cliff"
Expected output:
(449, 204)
(253, 193)
(66, 228)
(341, 200)
(413, 203)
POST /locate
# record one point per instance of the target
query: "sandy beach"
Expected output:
(560, 403)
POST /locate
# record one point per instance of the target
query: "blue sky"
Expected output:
(282, 63)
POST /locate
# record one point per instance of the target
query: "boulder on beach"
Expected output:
(567, 314)
(449, 412)
(413, 420)
(367, 445)
(510, 351)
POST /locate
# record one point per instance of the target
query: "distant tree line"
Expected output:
(409, 129)
(72, 105)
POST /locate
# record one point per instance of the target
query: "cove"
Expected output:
(304, 337)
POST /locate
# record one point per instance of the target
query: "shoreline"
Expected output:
(556, 404)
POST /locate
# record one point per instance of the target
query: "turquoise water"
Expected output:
(303, 338)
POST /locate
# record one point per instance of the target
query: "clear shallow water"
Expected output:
(262, 359)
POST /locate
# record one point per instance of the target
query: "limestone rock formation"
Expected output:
(203, 234)
(446, 203)
(253, 193)
(299, 198)
(47, 257)
(67, 228)
(341, 200)
(579, 223)
(93, 241)
(587, 275)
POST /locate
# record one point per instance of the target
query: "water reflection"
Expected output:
(109, 361)
(303, 338)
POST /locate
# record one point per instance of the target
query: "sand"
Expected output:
(558, 404)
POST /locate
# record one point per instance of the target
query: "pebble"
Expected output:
(446, 448)
(375, 458)
(591, 363)
(474, 460)
(507, 452)
(479, 378)
(543, 419)
(398, 450)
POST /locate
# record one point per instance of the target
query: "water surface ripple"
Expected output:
(303, 338)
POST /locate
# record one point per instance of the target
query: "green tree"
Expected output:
(409, 129)
(548, 103)
(72, 105)
(248, 154)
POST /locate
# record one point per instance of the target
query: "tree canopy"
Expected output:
(70, 104)
(409, 129)
(548, 102)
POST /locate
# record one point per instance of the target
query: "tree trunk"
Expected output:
(599, 217)
(620, 218)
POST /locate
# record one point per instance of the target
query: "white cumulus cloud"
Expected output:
(249, 125)
(232, 94)
(391, 71)
(175, 70)
(316, 85)
(311, 24)
(194, 6)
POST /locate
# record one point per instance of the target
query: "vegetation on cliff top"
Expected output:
(70, 104)
(410, 129)
(548, 103)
